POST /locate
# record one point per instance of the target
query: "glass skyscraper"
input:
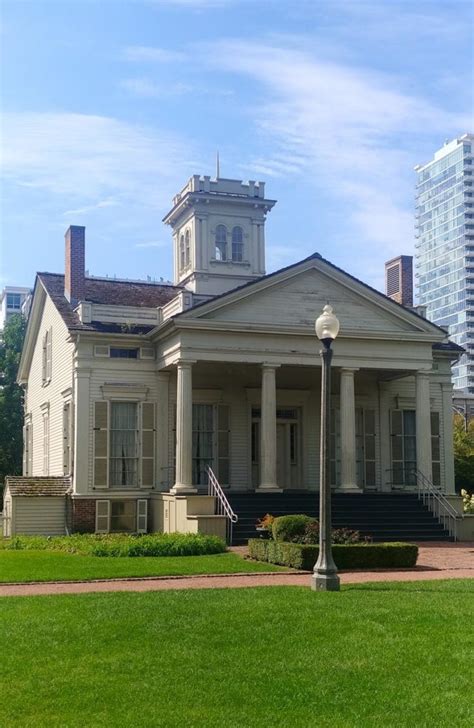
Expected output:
(445, 247)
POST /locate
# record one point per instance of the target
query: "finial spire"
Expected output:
(217, 166)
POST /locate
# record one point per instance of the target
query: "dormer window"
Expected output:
(187, 256)
(221, 242)
(182, 254)
(237, 244)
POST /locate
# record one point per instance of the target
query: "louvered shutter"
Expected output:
(147, 479)
(29, 439)
(142, 516)
(101, 351)
(44, 357)
(101, 444)
(102, 516)
(25, 450)
(66, 436)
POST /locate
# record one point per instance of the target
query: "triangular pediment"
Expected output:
(295, 297)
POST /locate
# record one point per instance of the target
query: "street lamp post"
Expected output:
(325, 576)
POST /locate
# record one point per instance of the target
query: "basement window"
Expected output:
(116, 353)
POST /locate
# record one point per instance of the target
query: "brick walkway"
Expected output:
(435, 561)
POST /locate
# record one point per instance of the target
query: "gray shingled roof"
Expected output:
(20, 485)
(110, 292)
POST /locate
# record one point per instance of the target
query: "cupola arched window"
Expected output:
(221, 242)
(188, 249)
(181, 253)
(237, 244)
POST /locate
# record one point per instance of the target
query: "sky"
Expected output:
(109, 106)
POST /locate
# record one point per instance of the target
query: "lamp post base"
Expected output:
(325, 582)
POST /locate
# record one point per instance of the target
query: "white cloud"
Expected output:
(148, 89)
(109, 202)
(153, 244)
(347, 131)
(85, 158)
(153, 54)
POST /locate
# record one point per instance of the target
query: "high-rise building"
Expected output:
(13, 299)
(445, 247)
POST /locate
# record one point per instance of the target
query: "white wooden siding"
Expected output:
(44, 516)
(38, 395)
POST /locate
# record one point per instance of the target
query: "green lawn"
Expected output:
(57, 566)
(372, 656)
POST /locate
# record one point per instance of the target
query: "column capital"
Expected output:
(269, 365)
(423, 373)
(185, 363)
(448, 387)
(163, 376)
(348, 370)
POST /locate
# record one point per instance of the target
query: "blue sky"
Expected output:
(109, 106)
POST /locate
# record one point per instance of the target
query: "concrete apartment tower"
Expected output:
(445, 247)
(399, 279)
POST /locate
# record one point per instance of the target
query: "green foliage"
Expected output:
(120, 544)
(463, 453)
(291, 528)
(11, 399)
(346, 556)
(305, 529)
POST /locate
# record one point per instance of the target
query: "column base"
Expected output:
(181, 489)
(351, 489)
(325, 582)
(268, 489)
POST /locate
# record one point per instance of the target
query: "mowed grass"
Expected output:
(371, 656)
(18, 566)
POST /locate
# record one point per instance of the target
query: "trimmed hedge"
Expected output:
(347, 556)
(291, 528)
(120, 544)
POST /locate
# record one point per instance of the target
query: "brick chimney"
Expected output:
(399, 280)
(75, 267)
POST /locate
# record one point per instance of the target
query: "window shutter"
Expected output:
(142, 516)
(101, 444)
(29, 462)
(147, 479)
(25, 450)
(49, 351)
(44, 357)
(66, 436)
(102, 516)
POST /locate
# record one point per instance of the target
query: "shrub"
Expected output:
(347, 556)
(467, 501)
(291, 528)
(120, 544)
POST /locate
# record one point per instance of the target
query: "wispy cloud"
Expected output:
(153, 54)
(85, 158)
(153, 244)
(351, 132)
(102, 204)
(148, 89)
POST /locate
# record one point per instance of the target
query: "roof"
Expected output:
(24, 486)
(109, 292)
(449, 346)
(314, 256)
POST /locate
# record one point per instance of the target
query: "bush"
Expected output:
(120, 544)
(291, 528)
(347, 556)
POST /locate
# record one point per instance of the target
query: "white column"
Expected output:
(268, 474)
(184, 430)
(82, 432)
(348, 433)
(162, 430)
(447, 437)
(423, 425)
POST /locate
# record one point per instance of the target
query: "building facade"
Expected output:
(13, 299)
(445, 247)
(133, 390)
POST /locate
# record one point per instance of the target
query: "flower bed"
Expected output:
(346, 556)
(120, 544)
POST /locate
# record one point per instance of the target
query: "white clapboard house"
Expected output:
(138, 394)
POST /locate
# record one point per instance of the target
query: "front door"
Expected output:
(288, 447)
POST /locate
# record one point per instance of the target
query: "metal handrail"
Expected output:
(437, 503)
(223, 507)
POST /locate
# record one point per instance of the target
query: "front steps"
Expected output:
(383, 516)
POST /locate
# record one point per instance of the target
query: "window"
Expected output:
(123, 444)
(403, 441)
(211, 442)
(123, 516)
(182, 254)
(14, 301)
(221, 242)
(187, 257)
(366, 447)
(47, 356)
(119, 516)
(237, 244)
(46, 442)
(435, 448)
(117, 353)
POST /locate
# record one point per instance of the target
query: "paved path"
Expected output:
(436, 561)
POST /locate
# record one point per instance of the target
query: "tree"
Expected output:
(11, 398)
(464, 453)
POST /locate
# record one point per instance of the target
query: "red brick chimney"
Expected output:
(399, 279)
(75, 268)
